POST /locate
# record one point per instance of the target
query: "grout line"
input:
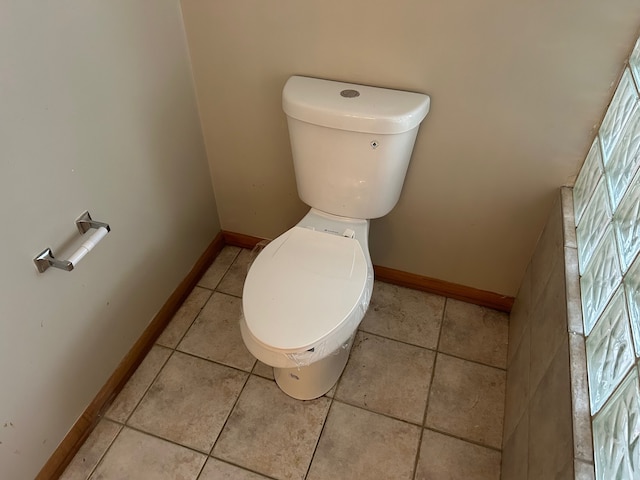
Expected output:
(195, 317)
(193, 355)
(426, 406)
(233, 263)
(155, 435)
(228, 294)
(106, 450)
(404, 342)
(204, 464)
(504, 370)
(233, 407)
(246, 469)
(224, 273)
(386, 415)
(463, 439)
(436, 350)
(144, 393)
(324, 424)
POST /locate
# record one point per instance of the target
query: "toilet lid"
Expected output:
(302, 286)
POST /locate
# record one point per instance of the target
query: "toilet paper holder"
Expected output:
(84, 223)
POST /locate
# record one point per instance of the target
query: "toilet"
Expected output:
(307, 291)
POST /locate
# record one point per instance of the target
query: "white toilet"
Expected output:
(307, 291)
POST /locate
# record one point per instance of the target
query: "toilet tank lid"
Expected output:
(357, 108)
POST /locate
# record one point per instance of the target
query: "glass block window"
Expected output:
(617, 433)
(607, 213)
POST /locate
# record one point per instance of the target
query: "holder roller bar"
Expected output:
(84, 223)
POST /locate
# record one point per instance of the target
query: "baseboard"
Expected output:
(446, 289)
(410, 280)
(72, 442)
(240, 239)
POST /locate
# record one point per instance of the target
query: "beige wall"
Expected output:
(516, 90)
(97, 112)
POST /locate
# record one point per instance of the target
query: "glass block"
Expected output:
(616, 433)
(592, 225)
(624, 101)
(599, 280)
(625, 159)
(626, 223)
(610, 352)
(632, 291)
(634, 62)
(587, 180)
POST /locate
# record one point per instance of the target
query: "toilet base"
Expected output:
(313, 381)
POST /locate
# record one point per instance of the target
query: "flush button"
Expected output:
(350, 93)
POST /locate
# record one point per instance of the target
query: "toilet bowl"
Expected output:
(307, 291)
(304, 297)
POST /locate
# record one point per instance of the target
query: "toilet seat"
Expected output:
(303, 287)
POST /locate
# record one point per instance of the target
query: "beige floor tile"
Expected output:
(387, 377)
(137, 456)
(215, 334)
(404, 314)
(357, 444)
(233, 281)
(263, 370)
(130, 395)
(271, 433)
(219, 267)
(444, 457)
(189, 401)
(184, 317)
(475, 333)
(467, 400)
(217, 470)
(91, 451)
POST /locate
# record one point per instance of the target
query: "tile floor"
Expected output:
(422, 397)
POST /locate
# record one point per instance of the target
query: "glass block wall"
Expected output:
(607, 213)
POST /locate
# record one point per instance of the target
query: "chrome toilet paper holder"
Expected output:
(84, 223)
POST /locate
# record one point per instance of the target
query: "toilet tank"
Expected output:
(351, 144)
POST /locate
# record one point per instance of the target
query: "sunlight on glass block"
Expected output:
(634, 62)
(624, 102)
(625, 159)
(594, 221)
(587, 180)
(610, 352)
(632, 291)
(616, 433)
(600, 279)
(626, 223)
